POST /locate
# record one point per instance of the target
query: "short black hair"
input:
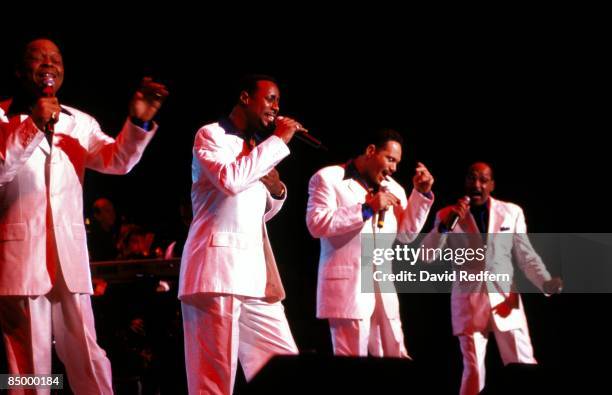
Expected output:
(248, 82)
(382, 136)
(488, 164)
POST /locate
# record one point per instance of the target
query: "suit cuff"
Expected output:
(281, 196)
(366, 212)
(429, 195)
(147, 126)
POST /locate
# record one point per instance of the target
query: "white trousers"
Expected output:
(514, 347)
(220, 329)
(381, 336)
(29, 324)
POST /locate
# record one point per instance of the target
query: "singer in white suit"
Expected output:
(481, 307)
(229, 287)
(45, 282)
(344, 203)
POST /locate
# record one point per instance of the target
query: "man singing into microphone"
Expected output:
(347, 201)
(45, 282)
(481, 307)
(229, 286)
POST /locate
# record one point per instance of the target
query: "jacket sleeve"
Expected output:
(323, 216)
(413, 216)
(233, 175)
(434, 239)
(527, 259)
(273, 206)
(18, 140)
(120, 155)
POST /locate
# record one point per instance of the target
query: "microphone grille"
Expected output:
(48, 79)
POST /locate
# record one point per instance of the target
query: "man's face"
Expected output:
(479, 183)
(41, 57)
(262, 106)
(382, 162)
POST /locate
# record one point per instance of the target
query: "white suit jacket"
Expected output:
(472, 302)
(29, 168)
(334, 216)
(227, 250)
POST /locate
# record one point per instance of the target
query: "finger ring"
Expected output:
(158, 95)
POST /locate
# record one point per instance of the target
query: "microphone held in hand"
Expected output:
(380, 223)
(454, 217)
(48, 85)
(381, 219)
(48, 90)
(307, 138)
(301, 133)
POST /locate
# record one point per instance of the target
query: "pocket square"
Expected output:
(504, 228)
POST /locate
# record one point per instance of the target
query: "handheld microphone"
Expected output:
(307, 138)
(380, 223)
(48, 83)
(381, 219)
(48, 89)
(455, 218)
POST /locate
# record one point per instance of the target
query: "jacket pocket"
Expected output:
(228, 239)
(12, 231)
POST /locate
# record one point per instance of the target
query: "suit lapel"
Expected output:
(357, 190)
(65, 126)
(44, 146)
(468, 224)
(495, 218)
